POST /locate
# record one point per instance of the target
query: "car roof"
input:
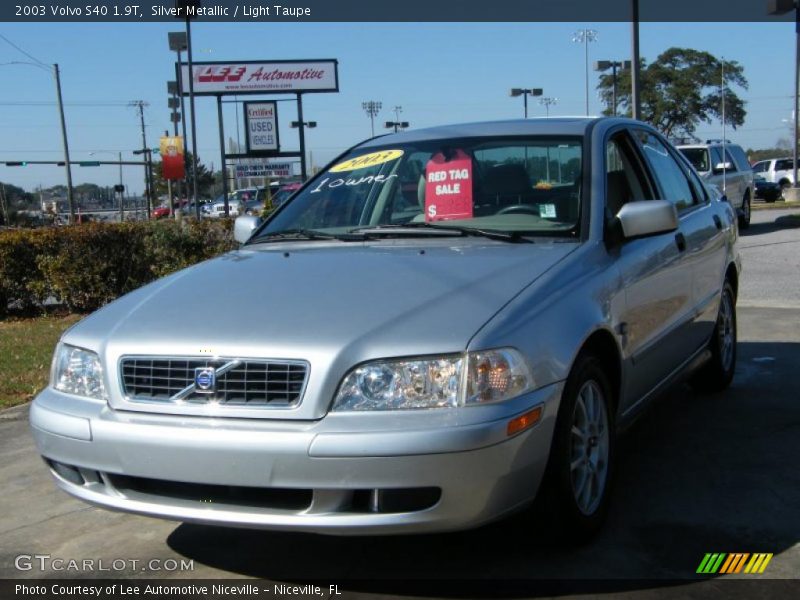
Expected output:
(568, 126)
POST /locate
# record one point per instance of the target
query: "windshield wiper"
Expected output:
(299, 235)
(413, 228)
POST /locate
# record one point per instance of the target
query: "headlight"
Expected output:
(435, 382)
(77, 371)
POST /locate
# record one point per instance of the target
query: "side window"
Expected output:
(783, 165)
(671, 178)
(729, 159)
(716, 157)
(625, 179)
(760, 167)
(741, 158)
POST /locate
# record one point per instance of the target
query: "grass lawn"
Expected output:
(26, 349)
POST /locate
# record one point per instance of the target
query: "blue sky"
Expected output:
(438, 72)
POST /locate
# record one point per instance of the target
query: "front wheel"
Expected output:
(582, 456)
(717, 373)
(744, 218)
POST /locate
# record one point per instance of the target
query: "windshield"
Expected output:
(698, 157)
(520, 185)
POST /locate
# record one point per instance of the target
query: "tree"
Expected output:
(205, 179)
(679, 90)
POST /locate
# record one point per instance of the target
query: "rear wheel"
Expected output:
(718, 372)
(744, 218)
(580, 467)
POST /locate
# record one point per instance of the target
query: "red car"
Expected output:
(160, 212)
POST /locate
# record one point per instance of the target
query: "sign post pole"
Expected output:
(222, 153)
(302, 129)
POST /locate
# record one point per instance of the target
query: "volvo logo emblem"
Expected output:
(205, 380)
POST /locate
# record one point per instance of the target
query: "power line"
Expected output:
(40, 103)
(33, 58)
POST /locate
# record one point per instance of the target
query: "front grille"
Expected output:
(238, 382)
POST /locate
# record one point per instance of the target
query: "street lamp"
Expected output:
(584, 36)
(547, 102)
(781, 7)
(54, 71)
(372, 108)
(397, 124)
(605, 65)
(525, 92)
(178, 42)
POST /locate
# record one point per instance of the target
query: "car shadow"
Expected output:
(777, 224)
(696, 474)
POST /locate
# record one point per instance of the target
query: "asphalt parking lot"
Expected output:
(697, 474)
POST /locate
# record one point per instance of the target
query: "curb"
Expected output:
(779, 205)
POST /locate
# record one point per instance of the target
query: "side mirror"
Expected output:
(243, 228)
(647, 217)
(723, 166)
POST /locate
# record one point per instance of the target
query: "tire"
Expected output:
(580, 468)
(785, 185)
(717, 373)
(744, 218)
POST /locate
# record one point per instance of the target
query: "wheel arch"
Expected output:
(602, 344)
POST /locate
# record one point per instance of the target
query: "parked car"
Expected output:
(776, 170)
(285, 192)
(160, 212)
(767, 190)
(725, 166)
(412, 370)
(235, 202)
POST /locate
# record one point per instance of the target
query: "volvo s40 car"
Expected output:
(450, 321)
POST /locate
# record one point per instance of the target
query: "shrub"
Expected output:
(86, 266)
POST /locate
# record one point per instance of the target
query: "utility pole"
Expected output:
(3, 204)
(148, 173)
(57, 75)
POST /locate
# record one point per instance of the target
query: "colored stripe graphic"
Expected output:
(758, 563)
(734, 563)
(723, 563)
(711, 563)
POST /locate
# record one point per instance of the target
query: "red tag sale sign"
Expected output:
(448, 187)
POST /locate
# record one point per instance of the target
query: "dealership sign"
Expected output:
(258, 77)
(261, 127)
(264, 169)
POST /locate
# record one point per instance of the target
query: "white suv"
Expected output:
(776, 170)
(725, 166)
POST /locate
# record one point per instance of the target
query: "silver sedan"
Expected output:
(438, 327)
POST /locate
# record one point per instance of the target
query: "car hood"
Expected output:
(332, 304)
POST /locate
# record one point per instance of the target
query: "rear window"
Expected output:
(698, 157)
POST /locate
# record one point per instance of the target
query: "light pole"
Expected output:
(397, 124)
(584, 36)
(525, 92)
(547, 102)
(781, 7)
(372, 108)
(605, 65)
(54, 71)
(302, 125)
(636, 96)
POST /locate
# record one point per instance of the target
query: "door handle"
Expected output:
(680, 241)
(718, 222)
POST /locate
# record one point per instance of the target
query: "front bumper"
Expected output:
(480, 472)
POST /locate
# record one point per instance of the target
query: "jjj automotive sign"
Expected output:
(261, 127)
(258, 77)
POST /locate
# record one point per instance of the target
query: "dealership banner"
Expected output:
(172, 162)
(259, 77)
